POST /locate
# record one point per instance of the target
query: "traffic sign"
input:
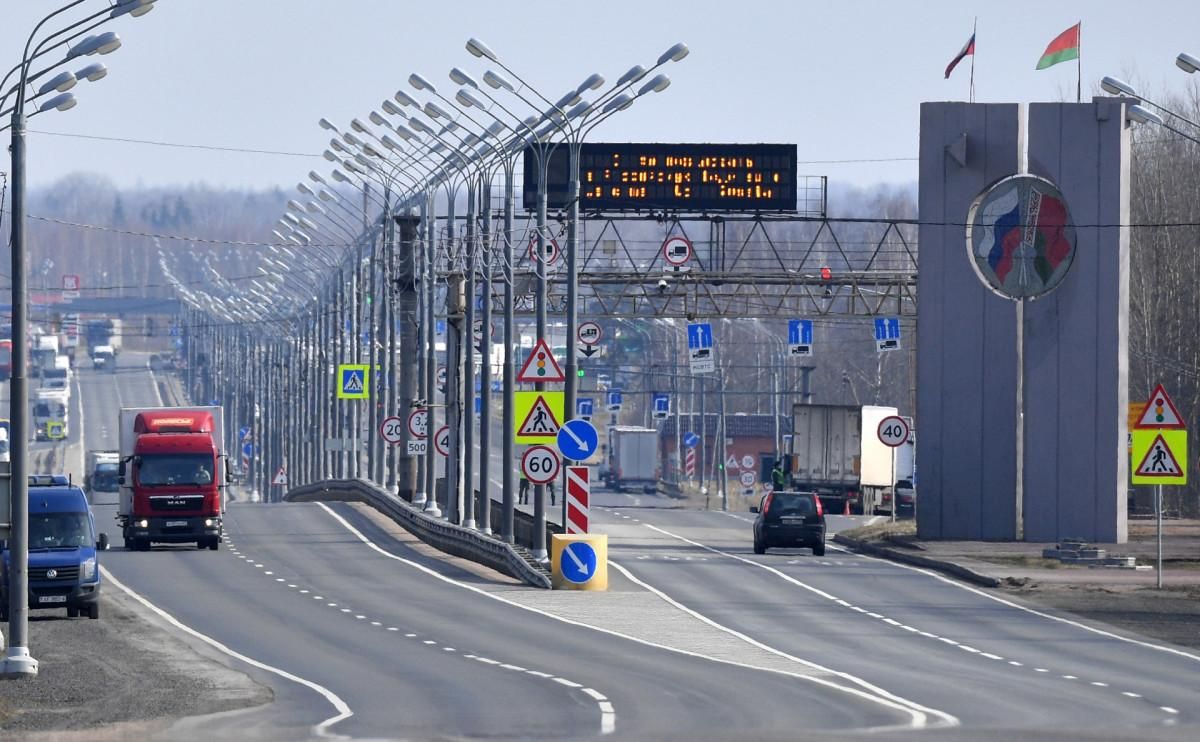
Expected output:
(660, 406)
(578, 494)
(243, 433)
(614, 400)
(551, 250)
(1160, 412)
(577, 562)
(280, 477)
(690, 439)
(353, 381)
(538, 416)
(589, 333)
(578, 440)
(418, 422)
(70, 282)
(893, 431)
(441, 440)
(1162, 455)
(677, 249)
(887, 333)
(441, 379)
(700, 348)
(416, 447)
(392, 430)
(747, 478)
(800, 337)
(541, 366)
(540, 464)
(584, 407)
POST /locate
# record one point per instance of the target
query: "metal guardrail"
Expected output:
(444, 536)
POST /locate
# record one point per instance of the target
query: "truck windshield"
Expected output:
(104, 479)
(156, 470)
(59, 531)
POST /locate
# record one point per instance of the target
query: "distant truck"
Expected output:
(45, 351)
(836, 452)
(51, 419)
(632, 459)
(173, 472)
(104, 358)
(104, 331)
(100, 472)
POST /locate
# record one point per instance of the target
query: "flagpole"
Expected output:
(1079, 67)
(975, 41)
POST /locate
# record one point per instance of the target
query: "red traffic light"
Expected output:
(826, 274)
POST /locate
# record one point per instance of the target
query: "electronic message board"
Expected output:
(670, 177)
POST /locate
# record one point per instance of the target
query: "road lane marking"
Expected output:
(321, 729)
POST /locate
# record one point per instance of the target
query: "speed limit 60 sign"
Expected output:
(893, 431)
(540, 464)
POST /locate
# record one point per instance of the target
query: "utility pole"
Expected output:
(406, 294)
(455, 301)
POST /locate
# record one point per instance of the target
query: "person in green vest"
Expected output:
(778, 477)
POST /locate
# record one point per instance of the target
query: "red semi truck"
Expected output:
(173, 474)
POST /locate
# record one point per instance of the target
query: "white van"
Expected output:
(4, 454)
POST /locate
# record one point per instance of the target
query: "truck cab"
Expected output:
(64, 570)
(103, 357)
(50, 417)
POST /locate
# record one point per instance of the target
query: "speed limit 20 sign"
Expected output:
(893, 431)
(540, 464)
(392, 430)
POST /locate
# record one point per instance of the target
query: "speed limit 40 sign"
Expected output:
(893, 431)
(441, 440)
(540, 464)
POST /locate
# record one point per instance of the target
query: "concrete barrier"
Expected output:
(448, 537)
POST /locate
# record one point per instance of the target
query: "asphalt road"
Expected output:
(382, 640)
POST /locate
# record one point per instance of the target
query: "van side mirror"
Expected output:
(121, 469)
(102, 542)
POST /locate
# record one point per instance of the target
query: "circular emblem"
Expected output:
(1020, 236)
(51, 573)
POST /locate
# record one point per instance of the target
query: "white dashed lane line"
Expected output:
(607, 712)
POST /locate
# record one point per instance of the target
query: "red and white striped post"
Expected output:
(578, 498)
(689, 463)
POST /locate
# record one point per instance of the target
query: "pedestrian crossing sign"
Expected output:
(1160, 456)
(539, 416)
(353, 381)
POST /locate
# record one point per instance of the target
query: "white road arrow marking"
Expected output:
(583, 570)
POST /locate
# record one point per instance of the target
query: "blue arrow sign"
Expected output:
(584, 407)
(243, 432)
(887, 333)
(479, 405)
(800, 332)
(577, 562)
(700, 335)
(661, 405)
(578, 439)
(614, 400)
(690, 439)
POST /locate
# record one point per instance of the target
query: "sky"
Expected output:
(842, 80)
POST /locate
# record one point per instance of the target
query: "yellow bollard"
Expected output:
(579, 562)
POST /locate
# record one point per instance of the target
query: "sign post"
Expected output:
(893, 433)
(1160, 444)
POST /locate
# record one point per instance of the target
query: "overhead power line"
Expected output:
(177, 145)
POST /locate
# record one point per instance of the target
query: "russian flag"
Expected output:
(968, 49)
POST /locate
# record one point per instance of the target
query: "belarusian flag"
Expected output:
(1065, 46)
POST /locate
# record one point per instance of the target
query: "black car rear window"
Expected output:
(791, 503)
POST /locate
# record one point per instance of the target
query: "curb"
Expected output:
(950, 568)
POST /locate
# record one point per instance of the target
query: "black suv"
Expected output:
(789, 519)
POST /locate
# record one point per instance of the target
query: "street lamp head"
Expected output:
(61, 102)
(1117, 87)
(569, 99)
(391, 144)
(92, 72)
(349, 138)
(580, 110)
(458, 77)
(635, 73)
(106, 43)
(305, 188)
(327, 125)
(405, 99)
(359, 126)
(467, 98)
(593, 82)
(62, 82)
(313, 207)
(657, 84)
(1141, 115)
(496, 82)
(420, 83)
(278, 236)
(675, 53)
(392, 109)
(480, 49)
(329, 156)
(294, 205)
(377, 118)
(134, 8)
(372, 151)
(325, 195)
(406, 133)
(471, 139)
(337, 146)
(419, 125)
(433, 111)
(1187, 63)
(291, 217)
(496, 127)
(620, 103)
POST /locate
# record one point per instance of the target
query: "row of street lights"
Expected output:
(54, 94)
(422, 149)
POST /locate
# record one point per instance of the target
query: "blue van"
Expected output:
(64, 570)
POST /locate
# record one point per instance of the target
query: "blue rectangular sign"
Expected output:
(887, 333)
(583, 407)
(700, 335)
(800, 332)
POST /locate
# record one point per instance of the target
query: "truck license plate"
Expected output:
(176, 524)
(52, 599)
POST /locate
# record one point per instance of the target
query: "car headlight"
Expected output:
(88, 570)
(208, 522)
(143, 523)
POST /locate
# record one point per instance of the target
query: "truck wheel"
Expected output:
(212, 543)
(72, 612)
(141, 544)
(93, 611)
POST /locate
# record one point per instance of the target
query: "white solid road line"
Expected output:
(869, 691)
(321, 729)
(608, 717)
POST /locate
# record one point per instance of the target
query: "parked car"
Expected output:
(790, 520)
(906, 497)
